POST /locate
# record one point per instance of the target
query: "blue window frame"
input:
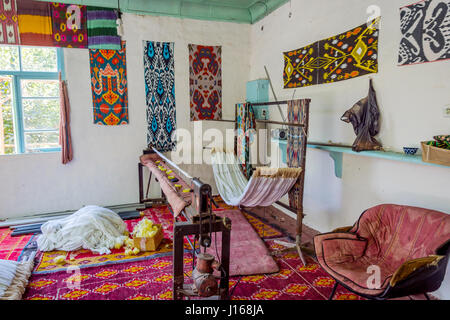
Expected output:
(29, 83)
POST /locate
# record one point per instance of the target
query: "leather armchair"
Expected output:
(391, 251)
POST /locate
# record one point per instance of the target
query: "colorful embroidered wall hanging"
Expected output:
(69, 25)
(109, 86)
(425, 32)
(9, 27)
(160, 94)
(296, 144)
(102, 28)
(205, 82)
(300, 67)
(348, 55)
(35, 23)
(245, 125)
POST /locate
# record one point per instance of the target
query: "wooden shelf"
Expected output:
(336, 153)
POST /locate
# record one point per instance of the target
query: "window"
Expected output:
(29, 99)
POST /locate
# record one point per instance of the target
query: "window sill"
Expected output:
(13, 155)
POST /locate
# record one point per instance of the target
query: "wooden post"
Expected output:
(301, 180)
(296, 194)
(141, 186)
(2, 129)
(225, 260)
(182, 229)
(178, 249)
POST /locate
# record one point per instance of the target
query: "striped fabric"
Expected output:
(102, 28)
(35, 23)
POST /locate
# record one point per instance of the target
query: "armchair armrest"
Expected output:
(408, 267)
(339, 247)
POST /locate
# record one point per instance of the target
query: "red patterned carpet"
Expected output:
(148, 276)
(12, 247)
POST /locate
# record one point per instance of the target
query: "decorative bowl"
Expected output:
(410, 150)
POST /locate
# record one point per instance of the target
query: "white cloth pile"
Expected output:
(265, 187)
(92, 227)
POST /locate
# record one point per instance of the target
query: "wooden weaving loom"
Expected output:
(194, 201)
(297, 123)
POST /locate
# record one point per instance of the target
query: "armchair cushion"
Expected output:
(407, 268)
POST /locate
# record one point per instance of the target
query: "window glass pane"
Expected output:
(40, 88)
(40, 113)
(39, 59)
(41, 140)
(9, 58)
(6, 116)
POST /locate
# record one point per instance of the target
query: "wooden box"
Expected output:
(435, 155)
(149, 243)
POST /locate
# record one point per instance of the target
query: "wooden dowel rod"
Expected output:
(221, 120)
(187, 175)
(291, 124)
(271, 103)
(329, 144)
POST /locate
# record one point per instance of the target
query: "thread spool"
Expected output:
(204, 281)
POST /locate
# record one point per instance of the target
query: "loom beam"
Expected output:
(201, 223)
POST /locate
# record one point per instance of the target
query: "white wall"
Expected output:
(104, 169)
(411, 99)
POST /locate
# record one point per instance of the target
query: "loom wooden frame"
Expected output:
(301, 179)
(200, 223)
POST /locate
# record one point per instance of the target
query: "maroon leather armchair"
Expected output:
(391, 251)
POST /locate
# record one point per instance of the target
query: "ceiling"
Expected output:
(239, 11)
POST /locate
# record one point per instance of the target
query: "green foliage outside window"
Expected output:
(35, 70)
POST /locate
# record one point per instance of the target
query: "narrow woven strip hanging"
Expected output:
(245, 126)
(296, 144)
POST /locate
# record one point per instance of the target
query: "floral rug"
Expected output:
(85, 258)
(151, 279)
(148, 276)
(161, 215)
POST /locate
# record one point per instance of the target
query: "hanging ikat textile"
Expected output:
(160, 94)
(109, 86)
(345, 56)
(205, 82)
(296, 144)
(9, 28)
(425, 28)
(69, 25)
(35, 23)
(245, 125)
